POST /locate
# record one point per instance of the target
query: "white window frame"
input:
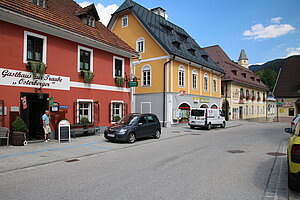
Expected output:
(90, 115)
(123, 63)
(140, 40)
(27, 33)
(91, 59)
(112, 110)
(205, 85)
(195, 81)
(150, 75)
(149, 106)
(215, 84)
(181, 69)
(124, 17)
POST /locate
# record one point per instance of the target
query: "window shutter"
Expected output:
(96, 107)
(125, 109)
(110, 112)
(75, 115)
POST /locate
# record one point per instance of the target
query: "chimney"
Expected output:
(159, 11)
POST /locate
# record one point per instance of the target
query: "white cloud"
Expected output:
(259, 31)
(103, 12)
(293, 51)
(276, 20)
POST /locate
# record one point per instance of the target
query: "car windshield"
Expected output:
(129, 119)
(197, 113)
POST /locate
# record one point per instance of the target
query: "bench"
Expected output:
(82, 131)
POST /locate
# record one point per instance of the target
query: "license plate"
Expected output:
(110, 135)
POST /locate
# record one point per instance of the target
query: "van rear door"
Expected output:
(197, 114)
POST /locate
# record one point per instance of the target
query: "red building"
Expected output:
(60, 57)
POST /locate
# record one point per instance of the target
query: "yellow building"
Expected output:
(175, 73)
(243, 93)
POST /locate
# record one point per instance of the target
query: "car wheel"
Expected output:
(209, 126)
(293, 185)
(131, 138)
(157, 134)
(192, 127)
(223, 125)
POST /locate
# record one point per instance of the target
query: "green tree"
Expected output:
(268, 77)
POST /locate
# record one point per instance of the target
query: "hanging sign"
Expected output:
(64, 132)
(24, 102)
(133, 84)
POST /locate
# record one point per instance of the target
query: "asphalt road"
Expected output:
(193, 166)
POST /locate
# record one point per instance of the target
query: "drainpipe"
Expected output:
(164, 93)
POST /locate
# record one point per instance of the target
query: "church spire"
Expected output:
(243, 60)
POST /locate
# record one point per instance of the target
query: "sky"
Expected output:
(266, 29)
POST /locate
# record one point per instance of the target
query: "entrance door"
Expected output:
(36, 105)
(241, 112)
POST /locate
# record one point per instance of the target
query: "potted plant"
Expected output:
(117, 118)
(87, 75)
(248, 97)
(19, 132)
(242, 97)
(84, 121)
(36, 67)
(119, 81)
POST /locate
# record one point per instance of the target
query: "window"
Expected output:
(247, 93)
(90, 21)
(247, 110)
(85, 59)
(252, 110)
(140, 45)
(84, 110)
(151, 119)
(253, 95)
(291, 111)
(181, 75)
(257, 109)
(195, 79)
(118, 69)
(192, 51)
(205, 82)
(124, 21)
(118, 110)
(215, 84)
(39, 2)
(34, 47)
(176, 44)
(146, 76)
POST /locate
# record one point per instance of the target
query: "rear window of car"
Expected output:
(197, 113)
(151, 119)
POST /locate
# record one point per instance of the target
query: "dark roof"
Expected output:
(243, 55)
(168, 35)
(63, 14)
(288, 79)
(234, 72)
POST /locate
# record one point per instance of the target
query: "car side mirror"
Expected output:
(288, 130)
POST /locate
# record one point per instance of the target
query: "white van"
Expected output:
(206, 117)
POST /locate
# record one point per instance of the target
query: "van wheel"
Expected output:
(157, 134)
(293, 185)
(223, 125)
(192, 127)
(209, 126)
(131, 138)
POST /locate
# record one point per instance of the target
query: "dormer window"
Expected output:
(183, 37)
(167, 29)
(88, 15)
(258, 80)
(205, 57)
(234, 71)
(252, 78)
(244, 75)
(192, 51)
(41, 3)
(176, 44)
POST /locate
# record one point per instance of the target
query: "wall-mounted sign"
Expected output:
(54, 107)
(11, 77)
(133, 84)
(288, 104)
(204, 100)
(196, 99)
(14, 109)
(63, 107)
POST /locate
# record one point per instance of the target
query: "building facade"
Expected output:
(63, 59)
(175, 73)
(287, 90)
(243, 93)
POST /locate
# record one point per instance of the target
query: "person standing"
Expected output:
(46, 125)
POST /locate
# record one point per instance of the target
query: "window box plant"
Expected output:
(116, 118)
(119, 81)
(264, 99)
(248, 97)
(36, 67)
(242, 97)
(19, 132)
(84, 121)
(258, 99)
(253, 98)
(87, 76)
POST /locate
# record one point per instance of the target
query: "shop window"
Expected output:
(146, 76)
(118, 67)
(125, 21)
(181, 76)
(215, 84)
(140, 45)
(291, 111)
(205, 82)
(117, 111)
(85, 108)
(195, 79)
(34, 47)
(85, 59)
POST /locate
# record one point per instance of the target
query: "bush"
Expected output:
(117, 118)
(87, 76)
(19, 125)
(85, 122)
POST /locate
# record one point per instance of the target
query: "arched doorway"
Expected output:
(184, 112)
(204, 105)
(225, 109)
(214, 106)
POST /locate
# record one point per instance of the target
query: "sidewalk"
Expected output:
(20, 157)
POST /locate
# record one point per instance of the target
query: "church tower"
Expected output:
(243, 60)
